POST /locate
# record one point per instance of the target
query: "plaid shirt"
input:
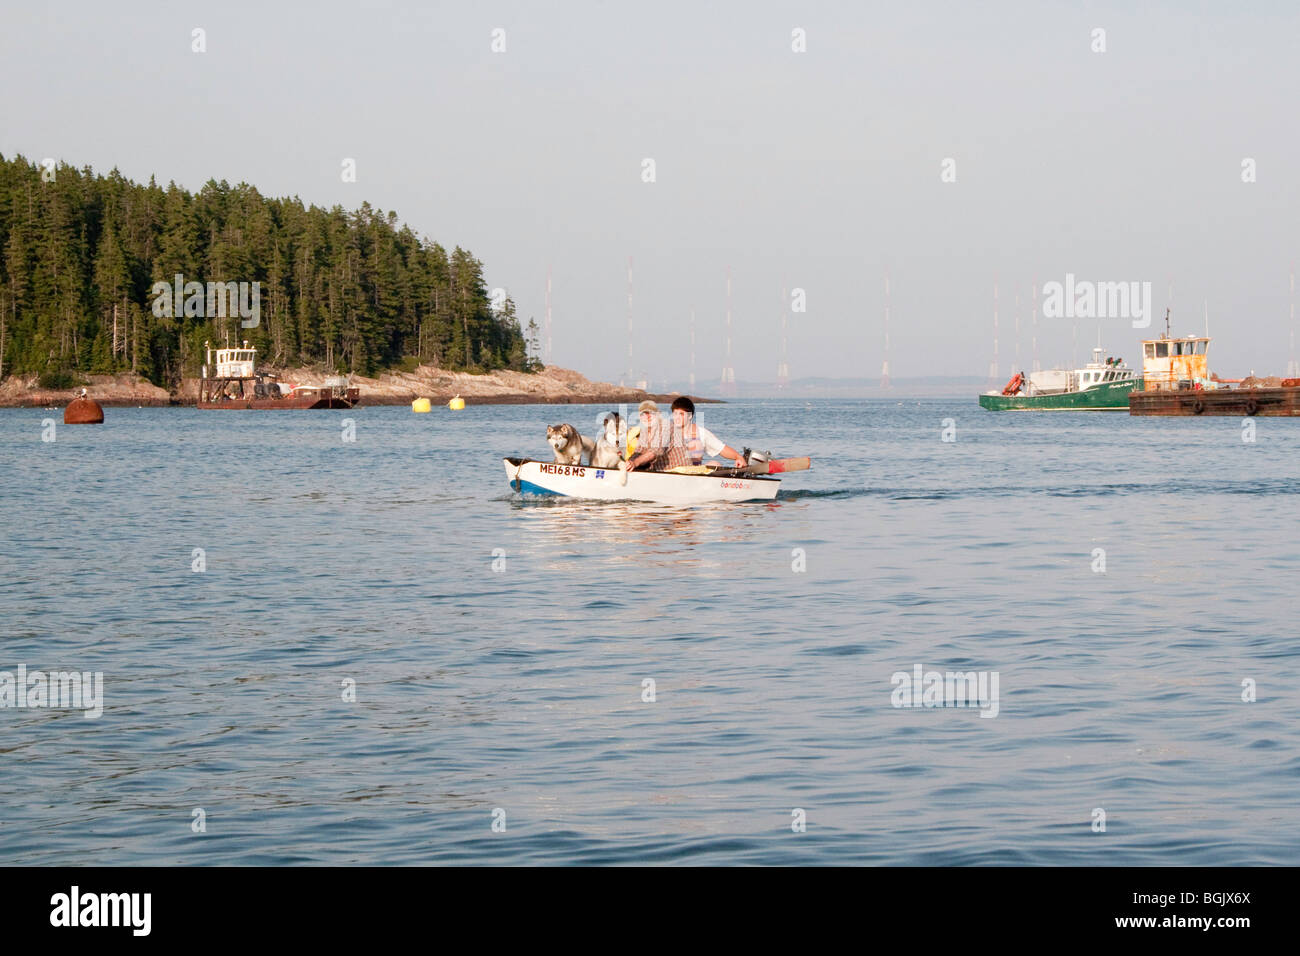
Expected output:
(668, 443)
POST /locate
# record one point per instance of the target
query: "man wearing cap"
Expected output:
(659, 446)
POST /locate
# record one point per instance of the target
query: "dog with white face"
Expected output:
(568, 444)
(606, 453)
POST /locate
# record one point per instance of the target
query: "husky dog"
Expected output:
(606, 454)
(568, 444)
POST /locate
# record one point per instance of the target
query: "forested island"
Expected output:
(346, 292)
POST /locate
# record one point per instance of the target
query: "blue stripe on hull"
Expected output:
(528, 488)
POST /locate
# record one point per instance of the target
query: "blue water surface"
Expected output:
(1126, 578)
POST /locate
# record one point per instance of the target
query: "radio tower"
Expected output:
(1036, 367)
(547, 330)
(884, 368)
(993, 367)
(783, 367)
(728, 373)
(692, 351)
(1015, 366)
(630, 374)
(1292, 368)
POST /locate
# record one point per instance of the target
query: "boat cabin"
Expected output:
(1175, 362)
(235, 363)
(231, 363)
(1102, 370)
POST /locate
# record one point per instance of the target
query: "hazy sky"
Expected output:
(819, 170)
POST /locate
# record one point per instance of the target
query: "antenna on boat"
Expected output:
(1166, 321)
(1207, 318)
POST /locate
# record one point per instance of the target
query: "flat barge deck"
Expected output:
(1235, 402)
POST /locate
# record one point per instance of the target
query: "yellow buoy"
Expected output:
(421, 405)
(456, 404)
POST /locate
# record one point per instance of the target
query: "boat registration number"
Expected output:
(568, 471)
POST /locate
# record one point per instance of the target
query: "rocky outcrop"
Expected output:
(551, 386)
(25, 392)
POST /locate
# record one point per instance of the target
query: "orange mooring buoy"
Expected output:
(83, 411)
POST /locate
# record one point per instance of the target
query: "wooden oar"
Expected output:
(778, 465)
(775, 466)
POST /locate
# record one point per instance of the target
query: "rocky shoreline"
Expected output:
(552, 386)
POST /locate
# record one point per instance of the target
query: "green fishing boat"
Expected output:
(1102, 385)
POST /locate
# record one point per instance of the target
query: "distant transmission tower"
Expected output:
(884, 368)
(547, 330)
(1292, 368)
(1015, 367)
(783, 366)
(1036, 367)
(631, 377)
(993, 366)
(692, 351)
(728, 373)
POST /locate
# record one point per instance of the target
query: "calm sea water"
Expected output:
(516, 695)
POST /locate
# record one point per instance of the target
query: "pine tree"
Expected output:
(79, 257)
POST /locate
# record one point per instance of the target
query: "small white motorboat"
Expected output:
(529, 477)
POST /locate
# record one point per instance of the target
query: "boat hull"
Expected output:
(325, 398)
(1233, 402)
(1112, 396)
(283, 403)
(529, 477)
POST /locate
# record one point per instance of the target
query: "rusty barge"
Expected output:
(1283, 401)
(1176, 381)
(234, 383)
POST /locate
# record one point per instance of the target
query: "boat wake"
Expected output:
(1283, 486)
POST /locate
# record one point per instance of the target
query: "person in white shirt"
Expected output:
(660, 445)
(700, 441)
